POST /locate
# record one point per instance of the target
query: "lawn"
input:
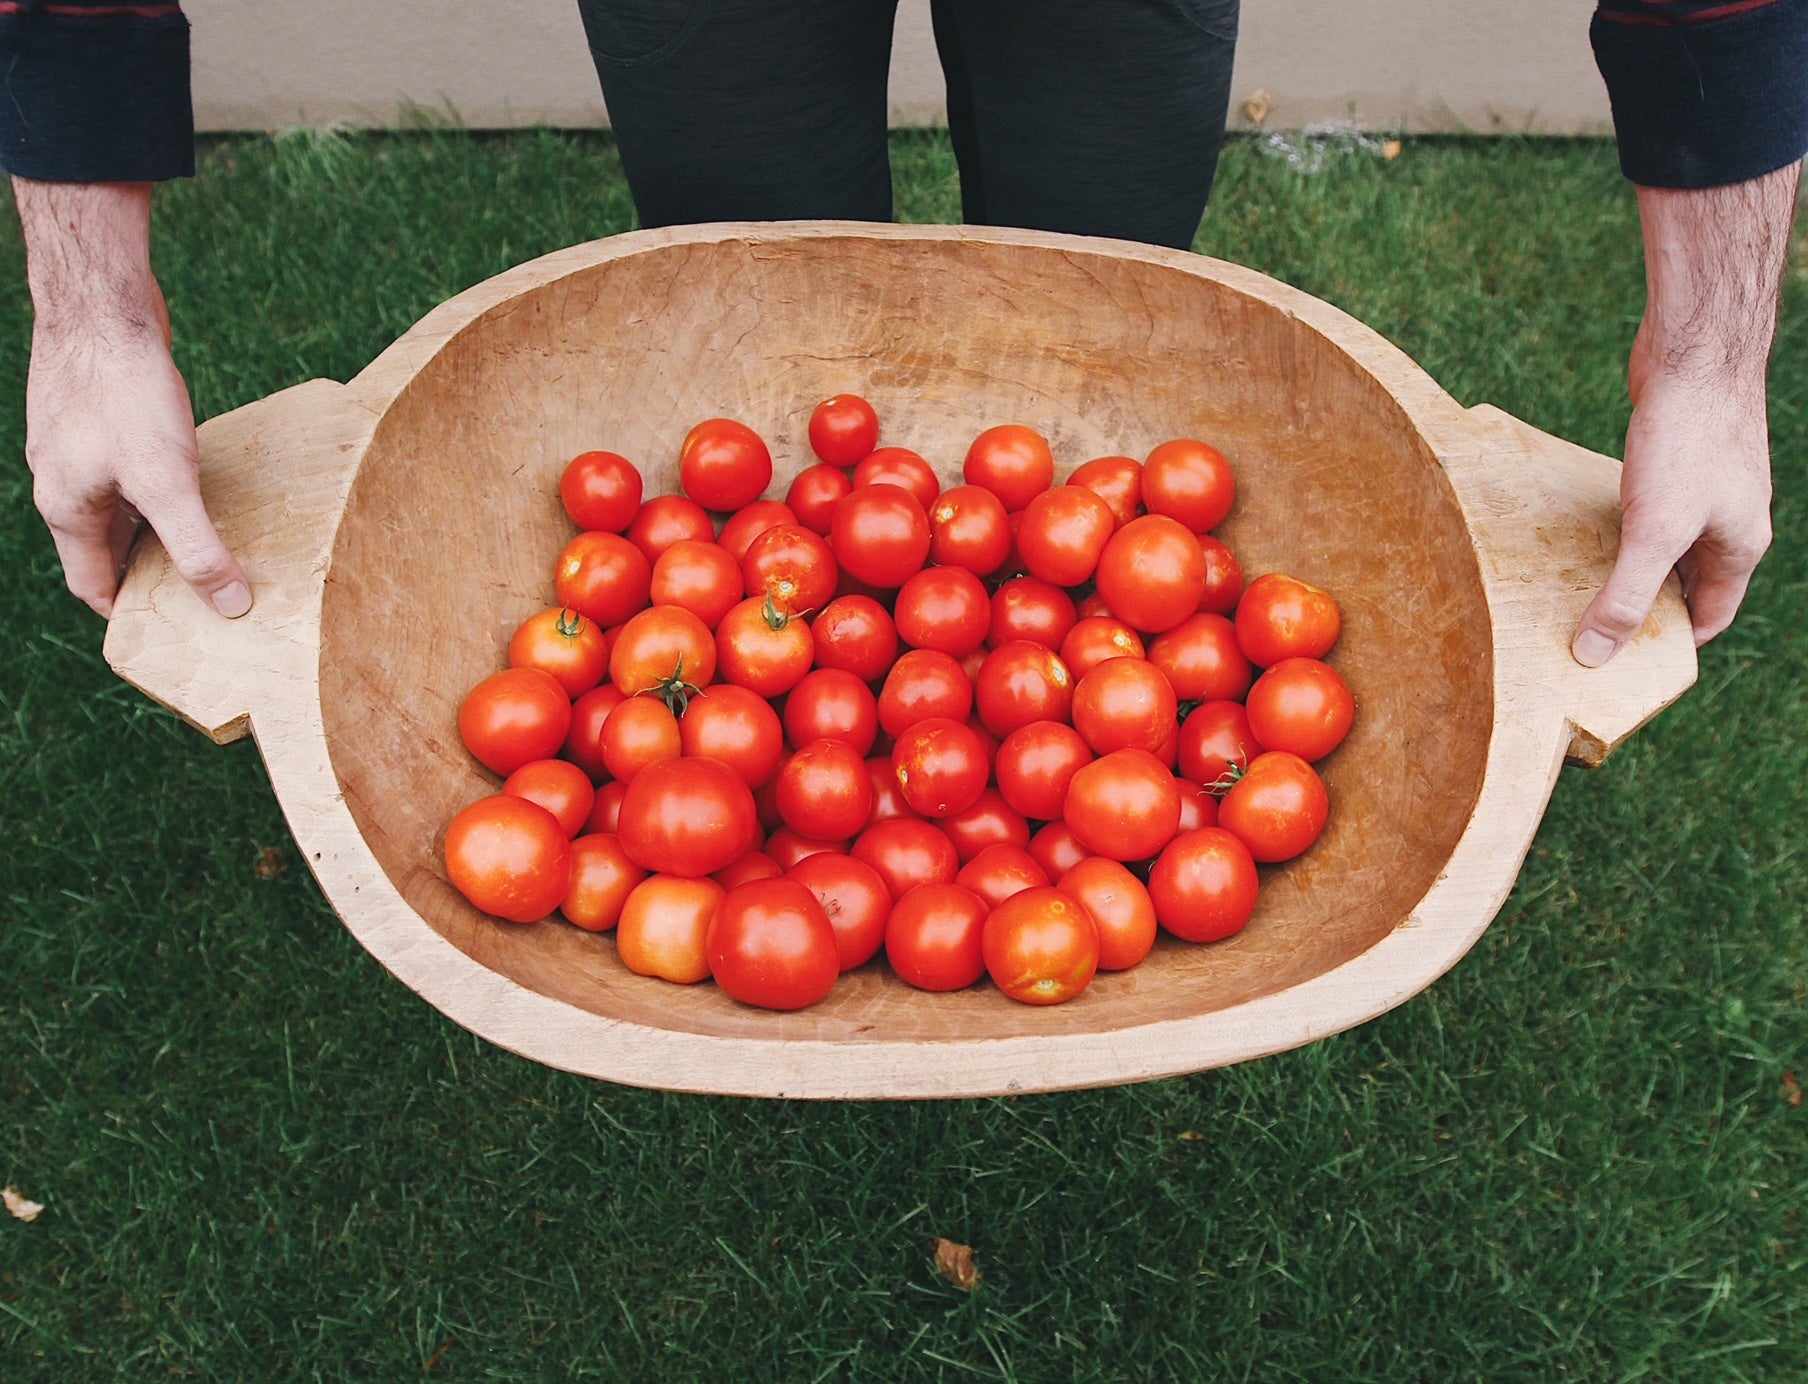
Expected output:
(1582, 1154)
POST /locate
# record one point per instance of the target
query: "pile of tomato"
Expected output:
(1009, 728)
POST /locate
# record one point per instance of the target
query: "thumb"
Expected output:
(1620, 607)
(195, 547)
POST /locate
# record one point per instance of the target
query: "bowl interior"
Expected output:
(454, 522)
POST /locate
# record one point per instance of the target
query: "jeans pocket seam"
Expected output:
(699, 11)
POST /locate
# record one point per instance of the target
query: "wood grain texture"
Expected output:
(402, 525)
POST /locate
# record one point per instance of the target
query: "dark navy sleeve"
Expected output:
(95, 92)
(1704, 92)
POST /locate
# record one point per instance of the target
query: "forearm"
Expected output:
(88, 259)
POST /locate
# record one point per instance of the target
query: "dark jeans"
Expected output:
(1102, 117)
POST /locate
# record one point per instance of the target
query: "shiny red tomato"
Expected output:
(1123, 805)
(1302, 706)
(1120, 908)
(510, 858)
(1223, 578)
(941, 765)
(1204, 885)
(602, 576)
(606, 814)
(602, 877)
(560, 787)
(1198, 805)
(1013, 462)
(934, 937)
(1152, 572)
(771, 945)
(857, 635)
(1118, 481)
(907, 851)
(665, 925)
(662, 650)
(922, 684)
(762, 648)
(880, 535)
(823, 791)
(888, 798)
(1000, 871)
(687, 817)
(1202, 660)
(1215, 740)
(1189, 481)
(903, 468)
(1022, 682)
(829, 704)
(787, 847)
(944, 608)
(665, 520)
(1096, 638)
(700, 577)
(601, 490)
(1036, 763)
(1030, 608)
(744, 869)
(1124, 703)
(1041, 946)
(747, 524)
(562, 642)
(514, 717)
(853, 898)
(968, 527)
(736, 726)
(843, 429)
(1277, 808)
(583, 742)
(815, 493)
(792, 566)
(724, 464)
(1282, 617)
(1063, 534)
(989, 821)
(1057, 849)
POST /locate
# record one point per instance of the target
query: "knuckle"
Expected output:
(205, 569)
(1618, 615)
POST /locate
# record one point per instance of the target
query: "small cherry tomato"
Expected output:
(903, 468)
(514, 717)
(763, 648)
(888, 798)
(941, 765)
(560, 787)
(605, 815)
(857, 635)
(665, 520)
(907, 851)
(1057, 849)
(510, 858)
(771, 945)
(787, 847)
(1029, 608)
(724, 464)
(583, 742)
(880, 535)
(968, 527)
(602, 877)
(1124, 703)
(853, 898)
(1096, 638)
(1223, 578)
(1282, 617)
(921, 684)
(944, 608)
(1022, 682)
(1118, 481)
(1000, 871)
(1064, 530)
(700, 577)
(823, 791)
(662, 650)
(1189, 481)
(744, 869)
(747, 524)
(736, 726)
(1036, 763)
(665, 925)
(843, 429)
(1202, 660)
(989, 821)
(1123, 805)
(1216, 740)
(934, 938)
(601, 490)
(603, 576)
(1120, 907)
(562, 642)
(829, 704)
(1204, 885)
(1041, 946)
(1277, 808)
(1300, 705)
(687, 817)
(1152, 573)
(791, 566)
(1013, 462)
(1198, 805)
(815, 493)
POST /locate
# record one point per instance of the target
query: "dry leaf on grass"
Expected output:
(270, 862)
(1257, 106)
(955, 1263)
(1791, 1091)
(1189, 1136)
(1391, 150)
(22, 1207)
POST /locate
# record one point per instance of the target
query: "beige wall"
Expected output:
(1416, 64)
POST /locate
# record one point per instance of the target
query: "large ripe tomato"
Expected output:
(560, 787)
(942, 766)
(514, 717)
(989, 821)
(603, 576)
(880, 535)
(944, 608)
(823, 791)
(639, 732)
(968, 527)
(687, 817)
(1189, 481)
(857, 635)
(602, 877)
(1152, 573)
(770, 944)
(1202, 660)
(762, 648)
(1204, 885)
(903, 468)
(1022, 682)
(1223, 578)
(665, 926)
(1120, 907)
(1118, 481)
(1096, 638)
(1063, 533)
(792, 566)
(907, 851)
(662, 650)
(668, 519)
(1124, 703)
(601, 490)
(1036, 763)
(510, 858)
(562, 642)
(747, 524)
(1215, 741)
(1057, 849)
(815, 493)
(584, 741)
(854, 899)
(1302, 706)
(934, 938)
(1282, 617)
(921, 684)
(1124, 805)
(1013, 462)
(843, 429)
(830, 704)
(736, 726)
(724, 464)
(1041, 946)
(1030, 608)
(1277, 808)
(701, 577)
(1000, 871)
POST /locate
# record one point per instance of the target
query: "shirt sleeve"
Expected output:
(1704, 92)
(95, 92)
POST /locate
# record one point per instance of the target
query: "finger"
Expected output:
(195, 547)
(1620, 607)
(122, 533)
(1715, 586)
(84, 548)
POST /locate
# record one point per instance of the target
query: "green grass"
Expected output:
(264, 1159)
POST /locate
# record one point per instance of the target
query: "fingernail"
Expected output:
(1592, 648)
(232, 601)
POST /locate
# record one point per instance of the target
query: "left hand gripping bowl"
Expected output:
(396, 528)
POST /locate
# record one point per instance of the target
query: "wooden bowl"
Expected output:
(398, 527)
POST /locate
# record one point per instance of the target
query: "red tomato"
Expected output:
(1198, 807)
(1277, 808)
(605, 816)
(1215, 739)
(601, 491)
(1022, 682)
(941, 765)
(888, 798)
(665, 520)
(510, 858)
(1300, 705)
(792, 566)
(736, 726)
(1057, 849)
(1189, 481)
(787, 847)
(1204, 885)
(1118, 481)
(843, 429)
(1223, 578)
(514, 717)
(934, 937)
(1120, 908)
(1202, 660)
(922, 684)
(1124, 703)
(700, 577)
(747, 524)
(665, 925)
(1036, 763)
(724, 464)
(880, 535)
(1152, 573)
(944, 608)
(744, 869)
(815, 493)
(770, 944)
(903, 468)
(855, 634)
(562, 642)
(1123, 805)
(990, 821)
(1094, 605)
(968, 528)
(1041, 946)
(662, 650)
(1282, 617)
(830, 704)
(1064, 530)
(583, 743)
(603, 576)
(1029, 608)
(823, 791)
(906, 852)
(687, 817)
(854, 899)
(1000, 871)
(561, 788)
(763, 648)
(602, 877)
(1011, 461)
(1096, 638)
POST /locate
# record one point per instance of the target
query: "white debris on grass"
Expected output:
(22, 1207)
(1317, 146)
